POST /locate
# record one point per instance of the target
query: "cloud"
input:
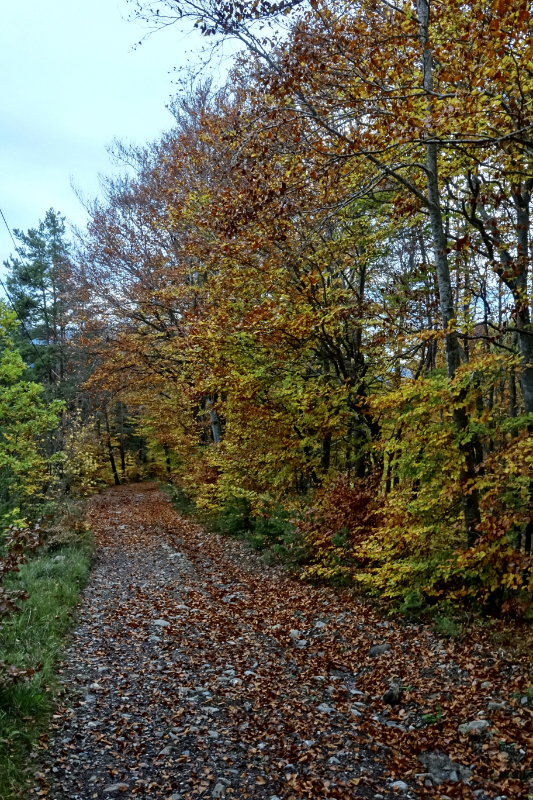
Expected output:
(72, 81)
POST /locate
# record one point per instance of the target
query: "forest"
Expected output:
(305, 309)
(307, 304)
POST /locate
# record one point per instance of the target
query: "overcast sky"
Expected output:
(71, 81)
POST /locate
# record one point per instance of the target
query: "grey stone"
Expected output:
(442, 768)
(176, 797)
(294, 634)
(426, 775)
(219, 790)
(495, 706)
(167, 751)
(300, 643)
(248, 707)
(333, 760)
(320, 624)
(325, 709)
(390, 724)
(379, 650)
(161, 623)
(392, 695)
(58, 559)
(213, 734)
(274, 797)
(486, 685)
(474, 727)
(403, 787)
(115, 788)
(211, 709)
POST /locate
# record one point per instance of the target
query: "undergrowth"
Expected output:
(270, 531)
(278, 541)
(33, 638)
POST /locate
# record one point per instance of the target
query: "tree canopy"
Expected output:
(313, 293)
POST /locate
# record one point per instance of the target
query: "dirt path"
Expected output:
(196, 671)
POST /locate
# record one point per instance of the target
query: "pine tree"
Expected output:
(36, 282)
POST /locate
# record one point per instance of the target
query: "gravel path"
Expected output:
(197, 671)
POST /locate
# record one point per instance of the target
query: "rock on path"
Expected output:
(197, 671)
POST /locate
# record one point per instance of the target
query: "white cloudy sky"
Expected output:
(71, 80)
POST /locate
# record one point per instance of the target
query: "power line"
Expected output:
(8, 229)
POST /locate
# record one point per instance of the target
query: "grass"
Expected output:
(36, 636)
(433, 718)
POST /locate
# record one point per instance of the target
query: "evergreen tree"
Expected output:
(36, 282)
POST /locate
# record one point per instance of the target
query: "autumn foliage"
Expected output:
(315, 290)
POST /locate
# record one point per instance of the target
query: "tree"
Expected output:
(37, 281)
(265, 295)
(408, 99)
(25, 419)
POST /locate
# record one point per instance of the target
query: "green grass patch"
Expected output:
(36, 636)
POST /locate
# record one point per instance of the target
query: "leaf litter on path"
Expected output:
(197, 671)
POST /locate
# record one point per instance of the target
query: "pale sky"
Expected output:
(70, 82)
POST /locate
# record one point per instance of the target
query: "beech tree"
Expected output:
(300, 293)
(397, 89)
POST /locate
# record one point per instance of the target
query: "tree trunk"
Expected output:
(167, 460)
(359, 467)
(216, 427)
(469, 495)
(523, 318)
(513, 413)
(326, 452)
(122, 451)
(110, 451)
(523, 323)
